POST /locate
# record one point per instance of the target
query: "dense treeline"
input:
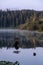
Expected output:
(23, 19)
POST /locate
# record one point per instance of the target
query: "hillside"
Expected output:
(22, 19)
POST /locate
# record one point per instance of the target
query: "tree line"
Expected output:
(17, 18)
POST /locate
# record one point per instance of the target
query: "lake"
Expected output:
(24, 57)
(23, 46)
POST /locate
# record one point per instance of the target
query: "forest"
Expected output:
(21, 19)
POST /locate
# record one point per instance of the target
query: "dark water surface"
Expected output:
(24, 57)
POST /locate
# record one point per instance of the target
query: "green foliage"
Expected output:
(8, 63)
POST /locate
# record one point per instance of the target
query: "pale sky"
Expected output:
(21, 4)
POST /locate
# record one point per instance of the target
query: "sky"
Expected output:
(21, 4)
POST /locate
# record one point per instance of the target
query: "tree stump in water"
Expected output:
(16, 44)
(34, 54)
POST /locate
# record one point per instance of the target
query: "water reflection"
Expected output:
(25, 57)
(34, 53)
(14, 39)
(17, 52)
(20, 48)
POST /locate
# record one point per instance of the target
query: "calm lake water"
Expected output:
(24, 57)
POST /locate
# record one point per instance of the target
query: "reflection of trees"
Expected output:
(32, 42)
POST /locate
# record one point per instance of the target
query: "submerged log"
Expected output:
(34, 54)
(16, 44)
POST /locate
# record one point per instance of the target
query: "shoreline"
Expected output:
(20, 30)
